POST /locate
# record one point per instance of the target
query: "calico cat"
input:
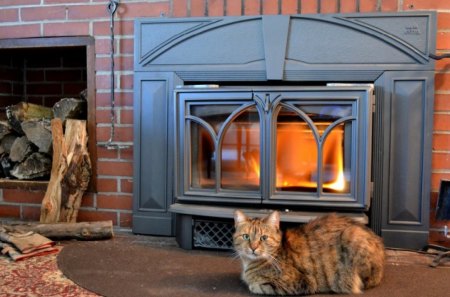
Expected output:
(329, 254)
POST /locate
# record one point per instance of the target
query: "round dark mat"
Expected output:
(123, 267)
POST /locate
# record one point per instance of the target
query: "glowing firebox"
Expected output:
(306, 157)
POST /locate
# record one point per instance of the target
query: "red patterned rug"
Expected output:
(36, 277)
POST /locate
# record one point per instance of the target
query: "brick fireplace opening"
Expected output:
(42, 71)
(175, 58)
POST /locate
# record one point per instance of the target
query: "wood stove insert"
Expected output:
(190, 171)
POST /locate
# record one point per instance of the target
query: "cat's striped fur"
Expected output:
(329, 254)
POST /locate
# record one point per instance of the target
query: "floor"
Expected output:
(40, 276)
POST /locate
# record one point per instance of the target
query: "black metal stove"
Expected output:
(304, 114)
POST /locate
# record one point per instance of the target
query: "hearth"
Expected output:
(303, 114)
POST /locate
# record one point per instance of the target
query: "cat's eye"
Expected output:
(263, 238)
(245, 236)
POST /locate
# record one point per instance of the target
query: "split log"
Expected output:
(35, 166)
(51, 204)
(20, 149)
(79, 170)
(81, 231)
(70, 175)
(23, 111)
(6, 143)
(5, 128)
(70, 108)
(39, 133)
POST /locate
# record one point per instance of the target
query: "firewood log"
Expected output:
(39, 133)
(70, 108)
(5, 128)
(70, 175)
(35, 166)
(82, 230)
(20, 149)
(23, 111)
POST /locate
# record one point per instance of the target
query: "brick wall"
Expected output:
(45, 18)
(42, 76)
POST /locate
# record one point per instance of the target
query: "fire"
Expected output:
(296, 158)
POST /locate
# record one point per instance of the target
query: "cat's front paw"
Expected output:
(262, 289)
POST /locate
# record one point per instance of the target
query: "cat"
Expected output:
(329, 254)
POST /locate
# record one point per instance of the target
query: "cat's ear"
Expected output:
(273, 219)
(239, 217)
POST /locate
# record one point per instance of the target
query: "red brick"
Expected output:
(35, 75)
(9, 211)
(347, 6)
(19, 2)
(143, 9)
(31, 213)
(441, 141)
(103, 116)
(44, 89)
(64, 75)
(124, 202)
(103, 82)
(442, 81)
(105, 153)
(308, 6)
(441, 122)
(436, 179)
(289, 6)
(103, 46)
(88, 200)
(87, 12)
(368, 5)
(328, 6)
(126, 81)
(441, 161)
(126, 219)
(65, 1)
(179, 8)
(20, 31)
(9, 15)
(21, 196)
(442, 64)
(126, 185)
(269, 7)
(66, 29)
(425, 4)
(198, 7)
(43, 13)
(443, 40)
(121, 63)
(389, 5)
(126, 116)
(115, 168)
(126, 46)
(73, 89)
(215, 7)
(106, 185)
(252, 7)
(121, 133)
(126, 153)
(101, 28)
(85, 215)
(443, 20)
(121, 99)
(442, 102)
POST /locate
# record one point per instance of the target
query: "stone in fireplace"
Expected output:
(283, 67)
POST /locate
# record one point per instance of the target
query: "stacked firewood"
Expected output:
(26, 137)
